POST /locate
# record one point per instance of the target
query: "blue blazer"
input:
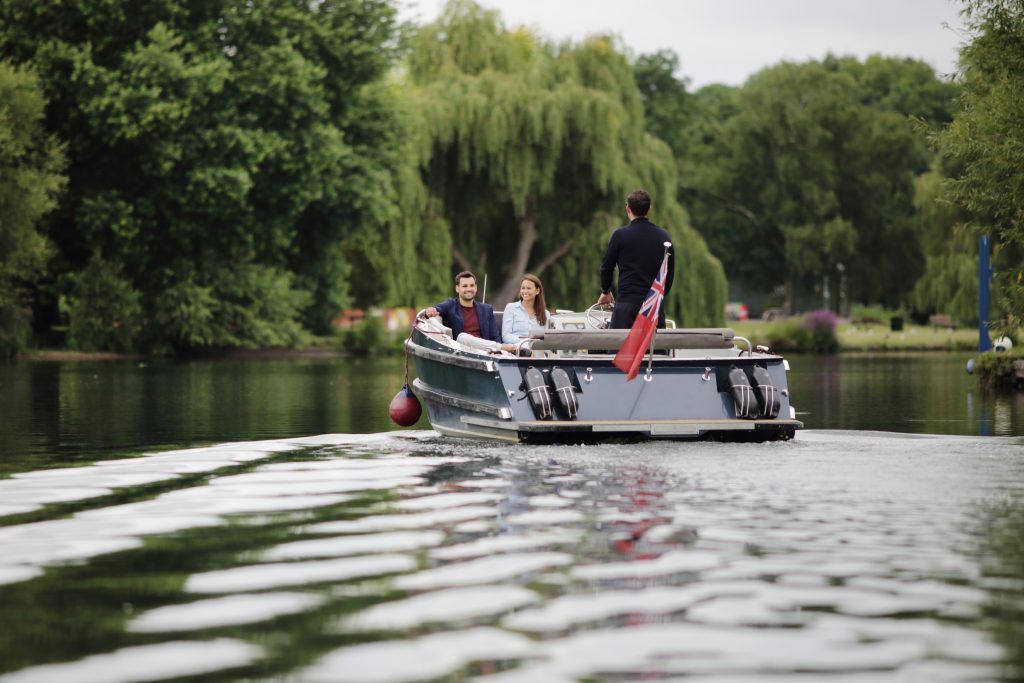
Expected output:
(451, 316)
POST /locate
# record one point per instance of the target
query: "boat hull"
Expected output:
(474, 395)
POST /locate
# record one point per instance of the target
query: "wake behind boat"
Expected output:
(697, 384)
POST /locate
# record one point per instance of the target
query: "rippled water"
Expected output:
(840, 556)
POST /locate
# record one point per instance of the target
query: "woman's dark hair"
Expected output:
(540, 308)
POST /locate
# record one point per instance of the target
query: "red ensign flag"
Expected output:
(631, 354)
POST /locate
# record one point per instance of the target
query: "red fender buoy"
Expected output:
(405, 408)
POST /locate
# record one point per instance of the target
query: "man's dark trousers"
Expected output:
(625, 313)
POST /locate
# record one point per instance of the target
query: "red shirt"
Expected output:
(470, 323)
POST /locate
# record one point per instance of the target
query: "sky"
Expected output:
(725, 41)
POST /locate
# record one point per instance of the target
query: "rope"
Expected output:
(405, 349)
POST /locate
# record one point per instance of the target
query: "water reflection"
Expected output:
(924, 393)
(54, 414)
(406, 557)
(74, 412)
(1001, 555)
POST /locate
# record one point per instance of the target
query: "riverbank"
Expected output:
(851, 338)
(875, 337)
(234, 354)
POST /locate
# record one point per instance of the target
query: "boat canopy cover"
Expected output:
(689, 338)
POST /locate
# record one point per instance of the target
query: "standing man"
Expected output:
(637, 250)
(463, 314)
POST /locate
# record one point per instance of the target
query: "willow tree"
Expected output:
(31, 178)
(530, 149)
(950, 280)
(985, 144)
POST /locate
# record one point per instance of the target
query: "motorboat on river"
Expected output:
(561, 387)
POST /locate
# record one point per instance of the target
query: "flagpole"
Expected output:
(650, 351)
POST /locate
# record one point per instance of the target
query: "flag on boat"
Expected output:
(631, 354)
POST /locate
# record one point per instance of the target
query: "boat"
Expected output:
(561, 385)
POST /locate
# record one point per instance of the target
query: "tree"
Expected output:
(810, 180)
(985, 143)
(221, 152)
(949, 282)
(530, 150)
(669, 109)
(906, 86)
(31, 167)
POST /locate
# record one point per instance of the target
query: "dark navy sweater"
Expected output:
(637, 250)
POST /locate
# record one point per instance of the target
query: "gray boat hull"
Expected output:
(679, 395)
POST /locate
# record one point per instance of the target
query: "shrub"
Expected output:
(367, 338)
(14, 329)
(242, 306)
(104, 311)
(822, 326)
(785, 335)
(995, 370)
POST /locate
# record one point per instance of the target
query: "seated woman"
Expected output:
(529, 313)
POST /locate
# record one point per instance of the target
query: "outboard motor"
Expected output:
(742, 393)
(565, 391)
(767, 393)
(537, 391)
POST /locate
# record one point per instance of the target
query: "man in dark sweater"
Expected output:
(463, 314)
(637, 250)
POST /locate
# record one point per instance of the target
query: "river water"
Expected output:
(288, 537)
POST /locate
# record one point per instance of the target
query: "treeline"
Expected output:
(180, 176)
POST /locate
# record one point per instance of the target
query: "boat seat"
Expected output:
(497, 316)
(687, 338)
(436, 326)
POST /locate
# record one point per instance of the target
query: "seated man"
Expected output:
(463, 314)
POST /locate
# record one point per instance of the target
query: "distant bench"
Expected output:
(689, 338)
(941, 320)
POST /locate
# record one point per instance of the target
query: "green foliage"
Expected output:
(220, 139)
(786, 335)
(530, 150)
(822, 324)
(949, 283)
(985, 144)
(1000, 526)
(867, 314)
(31, 166)
(669, 109)
(906, 86)
(104, 310)
(413, 255)
(244, 306)
(995, 369)
(806, 171)
(813, 333)
(14, 329)
(824, 180)
(368, 337)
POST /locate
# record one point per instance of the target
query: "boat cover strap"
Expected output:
(689, 338)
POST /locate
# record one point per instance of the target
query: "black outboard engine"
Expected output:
(565, 391)
(537, 391)
(742, 393)
(767, 393)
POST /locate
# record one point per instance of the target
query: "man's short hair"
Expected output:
(639, 202)
(462, 276)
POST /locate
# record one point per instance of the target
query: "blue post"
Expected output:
(984, 275)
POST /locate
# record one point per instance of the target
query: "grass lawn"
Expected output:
(879, 337)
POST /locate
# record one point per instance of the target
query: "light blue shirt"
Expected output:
(516, 323)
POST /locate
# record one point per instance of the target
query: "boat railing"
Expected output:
(685, 338)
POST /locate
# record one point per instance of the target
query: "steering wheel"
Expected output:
(599, 316)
